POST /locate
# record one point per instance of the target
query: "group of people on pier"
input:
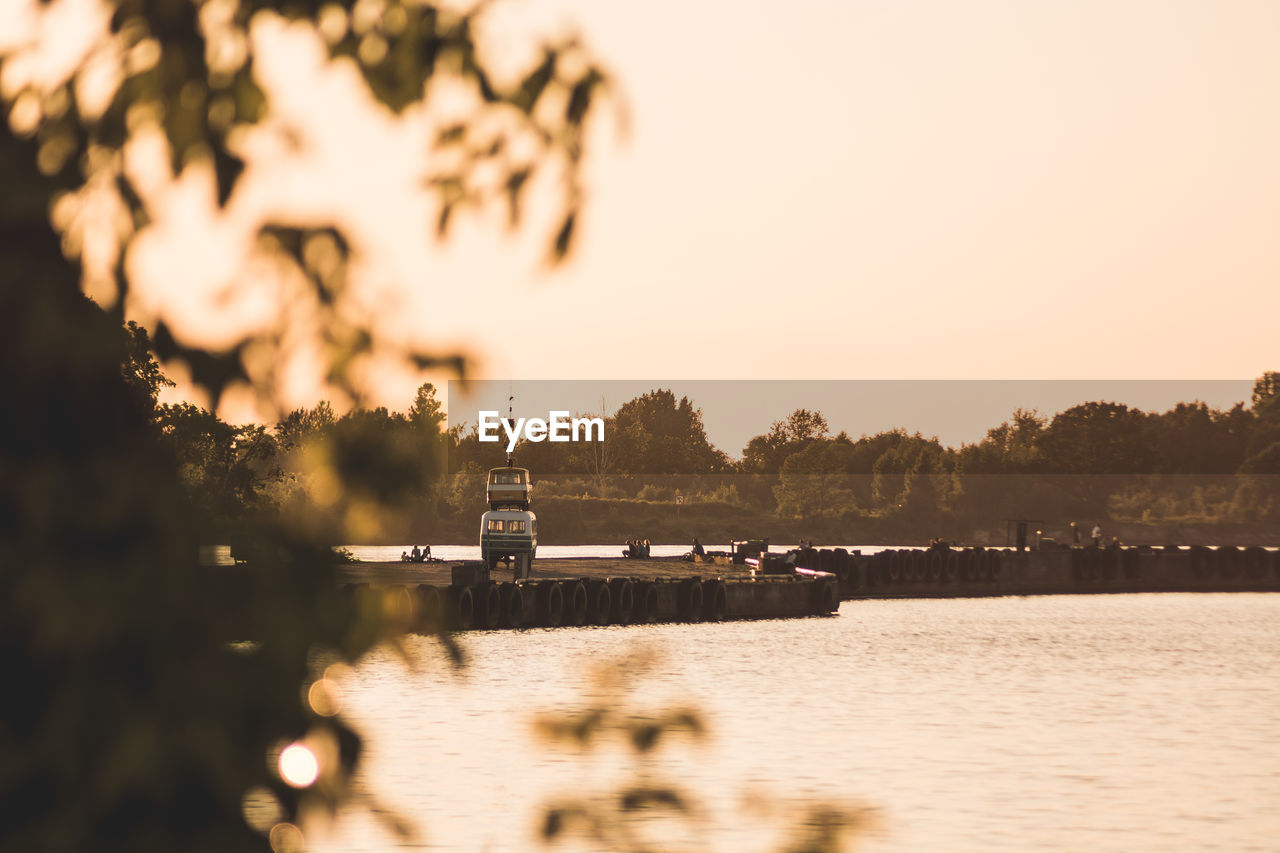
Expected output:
(417, 555)
(1095, 537)
(636, 549)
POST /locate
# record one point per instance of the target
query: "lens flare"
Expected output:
(261, 809)
(298, 766)
(325, 698)
(286, 838)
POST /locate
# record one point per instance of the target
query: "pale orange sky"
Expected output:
(831, 190)
(906, 189)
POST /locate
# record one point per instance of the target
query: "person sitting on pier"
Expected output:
(404, 556)
(1096, 535)
(426, 553)
(644, 549)
(698, 550)
(415, 556)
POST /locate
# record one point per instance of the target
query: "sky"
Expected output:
(901, 189)
(919, 189)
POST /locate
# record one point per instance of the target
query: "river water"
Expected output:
(1099, 723)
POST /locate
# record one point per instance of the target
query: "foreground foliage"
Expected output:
(134, 720)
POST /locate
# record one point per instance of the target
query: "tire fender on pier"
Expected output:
(1255, 563)
(488, 606)
(622, 601)
(895, 566)
(934, 565)
(512, 605)
(1229, 562)
(919, 566)
(575, 602)
(430, 609)
(1201, 562)
(951, 567)
(1110, 564)
(599, 602)
(825, 599)
(715, 601)
(977, 565)
(646, 603)
(690, 600)
(462, 607)
(1079, 572)
(550, 604)
(399, 607)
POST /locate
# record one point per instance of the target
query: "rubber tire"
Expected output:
(462, 608)
(550, 609)
(895, 566)
(646, 606)
(512, 605)
(825, 599)
(430, 609)
(575, 603)
(599, 602)
(1255, 563)
(690, 600)
(951, 567)
(1229, 562)
(488, 599)
(622, 601)
(714, 601)
(1201, 562)
(1110, 564)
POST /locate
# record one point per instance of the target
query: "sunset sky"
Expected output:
(813, 190)
(914, 189)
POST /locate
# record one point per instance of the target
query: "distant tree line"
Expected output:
(1093, 460)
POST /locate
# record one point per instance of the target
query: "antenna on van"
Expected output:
(511, 458)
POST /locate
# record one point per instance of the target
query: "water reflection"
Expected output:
(1070, 722)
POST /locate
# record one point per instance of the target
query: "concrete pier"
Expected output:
(589, 591)
(967, 572)
(812, 582)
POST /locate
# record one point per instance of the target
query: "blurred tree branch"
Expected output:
(132, 722)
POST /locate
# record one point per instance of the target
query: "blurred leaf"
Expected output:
(580, 97)
(515, 186)
(564, 236)
(633, 799)
(213, 371)
(227, 169)
(532, 87)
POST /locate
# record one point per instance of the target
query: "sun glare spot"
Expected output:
(298, 766)
(261, 809)
(325, 698)
(285, 838)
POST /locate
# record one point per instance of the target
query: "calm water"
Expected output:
(1127, 722)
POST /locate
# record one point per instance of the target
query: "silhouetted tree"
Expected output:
(134, 724)
(765, 454)
(656, 434)
(222, 466)
(1099, 438)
